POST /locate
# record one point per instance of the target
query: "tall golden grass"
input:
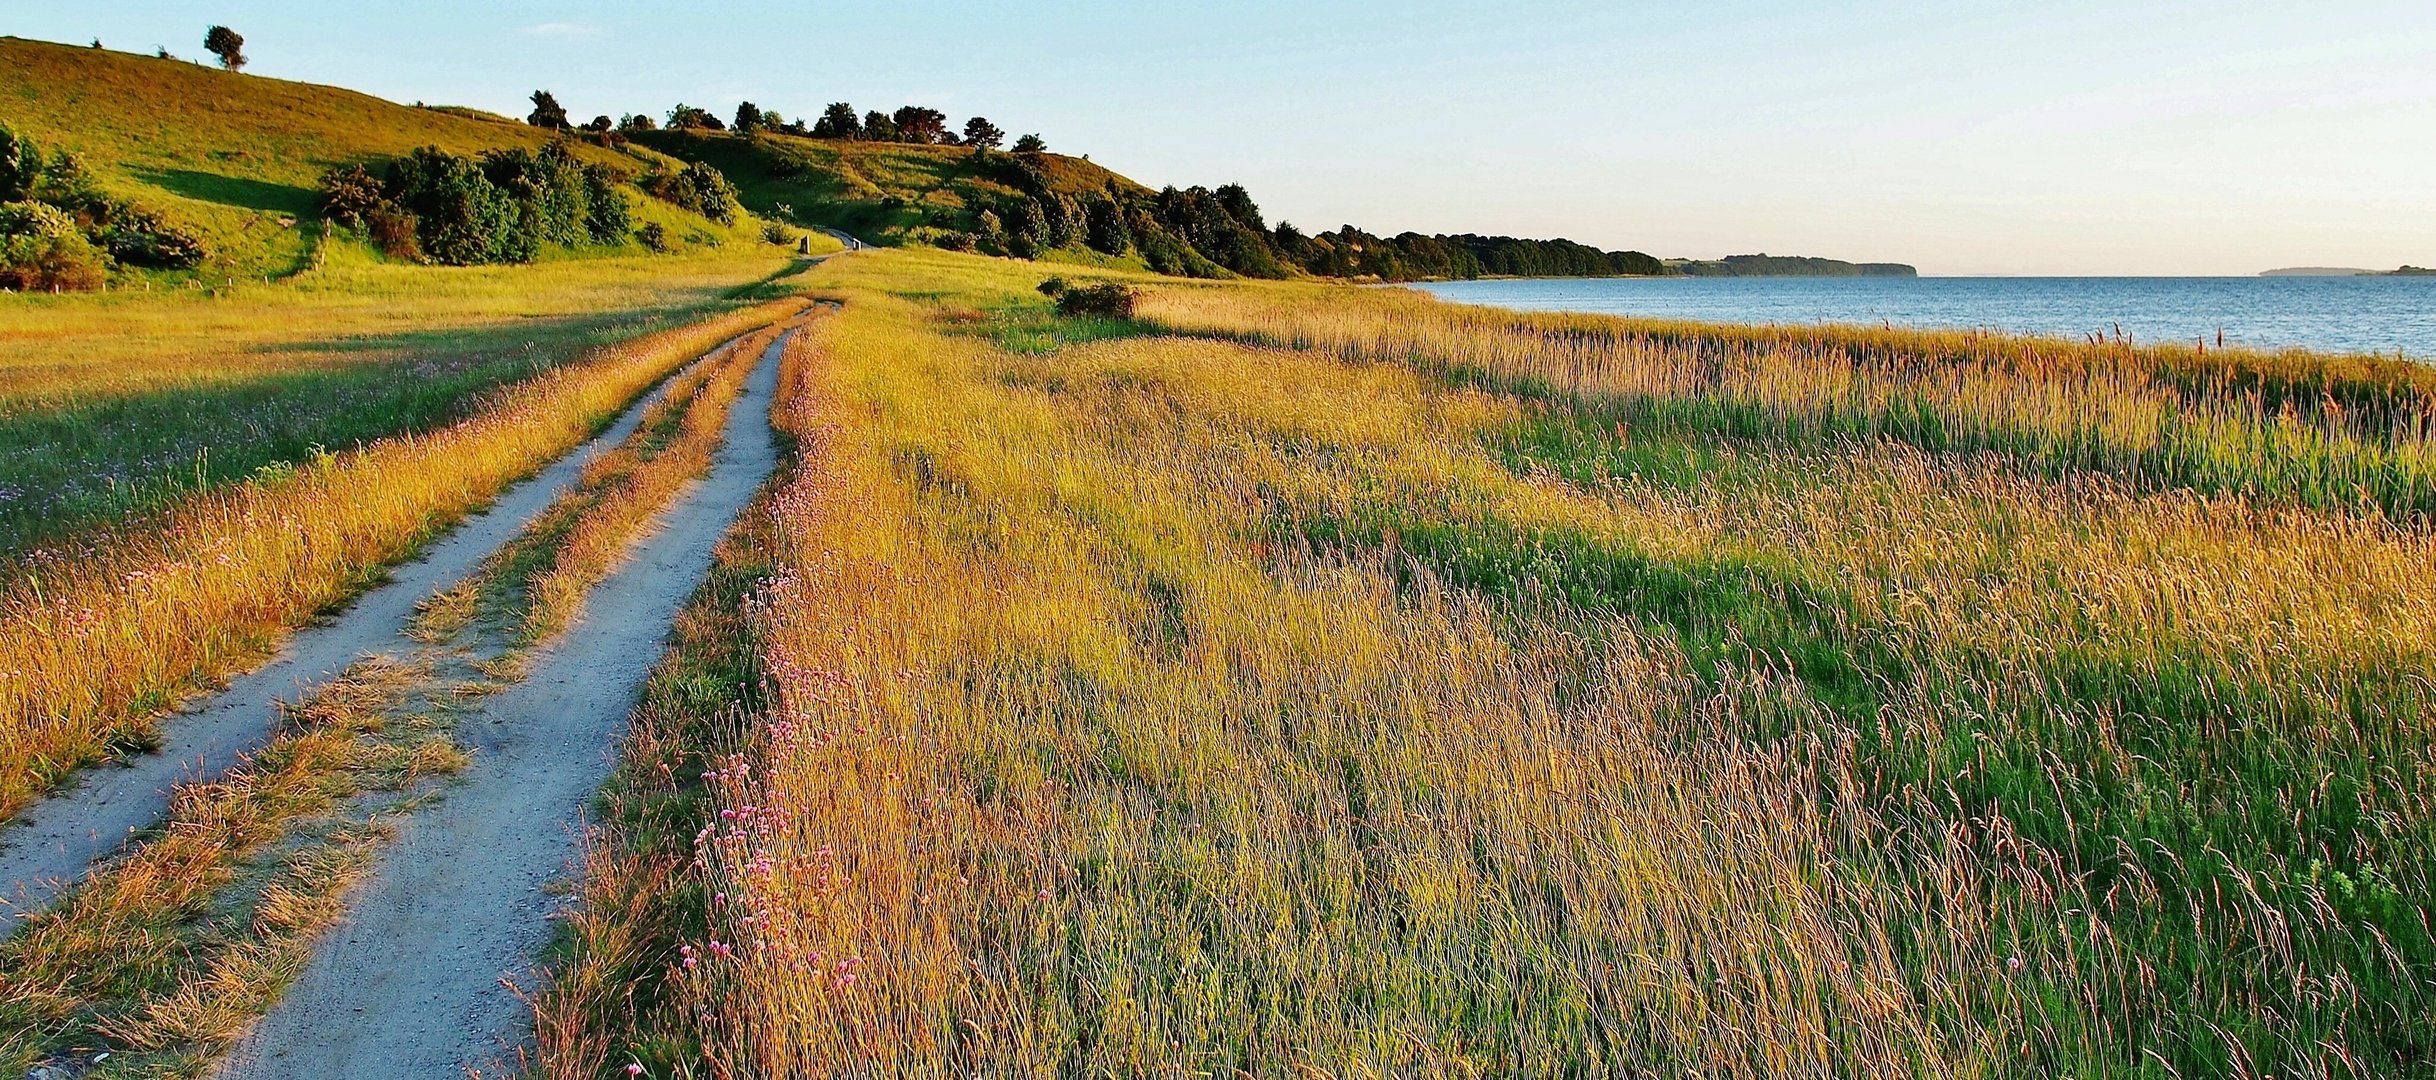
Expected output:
(1167, 705)
(2326, 431)
(94, 643)
(588, 532)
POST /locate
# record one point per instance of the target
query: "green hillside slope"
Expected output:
(237, 157)
(888, 193)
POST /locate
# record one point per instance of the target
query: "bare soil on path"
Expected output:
(52, 844)
(421, 979)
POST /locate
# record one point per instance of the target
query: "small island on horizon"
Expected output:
(2405, 270)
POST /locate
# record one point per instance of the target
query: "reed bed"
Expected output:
(1255, 702)
(1068, 770)
(93, 647)
(2320, 431)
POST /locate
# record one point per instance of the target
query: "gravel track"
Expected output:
(52, 844)
(420, 979)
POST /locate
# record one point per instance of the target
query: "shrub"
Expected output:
(609, 218)
(140, 237)
(777, 233)
(688, 118)
(1105, 229)
(394, 231)
(552, 199)
(465, 218)
(41, 249)
(699, 188)
(350, 196)
(1022, 246)
(654, 236)
(1106, 300)
(1052, 287)
(20, 166)
(1031, 144)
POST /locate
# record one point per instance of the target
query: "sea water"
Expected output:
(2330, 314)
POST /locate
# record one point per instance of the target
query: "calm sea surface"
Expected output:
(2357, 314)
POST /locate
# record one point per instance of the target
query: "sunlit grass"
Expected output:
(2322, 431)
(93, 646)
(1126, 704)
(119, 404)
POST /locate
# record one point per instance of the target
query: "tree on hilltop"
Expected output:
(877, 127)
(547, 112)
(226, 44)
(1030, 144)
(686, 117)
(980, 132)
(748, 117)
(916, 124)
(838, 122)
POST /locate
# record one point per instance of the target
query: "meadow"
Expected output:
(102, 636)
(117, 405)
(1302, 679)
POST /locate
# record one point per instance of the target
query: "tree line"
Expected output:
(914, 124)
(507, 206)
(1220, 232)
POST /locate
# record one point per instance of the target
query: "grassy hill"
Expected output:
(887, 193)
(237, 156)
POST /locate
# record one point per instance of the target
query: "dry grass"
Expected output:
(545, 574)
(92, 649)
(2321, 431)
(166, 954)
(1162, 706)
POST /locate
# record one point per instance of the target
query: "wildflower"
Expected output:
(634, 1068)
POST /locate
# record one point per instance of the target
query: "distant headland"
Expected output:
(2348, 271)
(1765, 265)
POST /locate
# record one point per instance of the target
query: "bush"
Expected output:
(1106, 300)
(41, 250)
(777, 233)
(1052, 287)
(394, 231)
(350, 196)
(465, 218)
(654, 236)
(20, 166)
(609, 219)
(699, 188)
(139, 237)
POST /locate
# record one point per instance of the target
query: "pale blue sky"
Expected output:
(1967, 137)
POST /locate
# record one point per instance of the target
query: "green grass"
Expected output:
(239, 157)
(114, 405)
(884, 193)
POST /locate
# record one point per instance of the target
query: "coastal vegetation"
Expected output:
(1154, 654)
(1293, 677)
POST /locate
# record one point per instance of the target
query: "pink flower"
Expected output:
(634, 1068)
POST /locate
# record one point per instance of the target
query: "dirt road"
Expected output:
(411, 984)
(53, 843)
